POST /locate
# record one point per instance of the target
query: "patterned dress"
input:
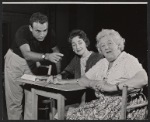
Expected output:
(108, 107)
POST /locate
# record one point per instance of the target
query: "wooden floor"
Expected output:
(4, 111)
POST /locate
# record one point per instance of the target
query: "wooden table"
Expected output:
(56, 96)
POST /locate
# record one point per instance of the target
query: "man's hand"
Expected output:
(54, 57)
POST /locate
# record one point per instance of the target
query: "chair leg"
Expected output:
(53, 109)
(124, 103)
(50, 112)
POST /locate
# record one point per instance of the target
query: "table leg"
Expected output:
(34, 105)
(61, 107)
(60, 103)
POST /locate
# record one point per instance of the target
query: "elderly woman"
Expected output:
(108, 76)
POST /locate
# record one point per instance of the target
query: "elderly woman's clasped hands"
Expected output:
(103, 86)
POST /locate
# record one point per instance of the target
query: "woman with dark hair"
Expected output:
(83, 59)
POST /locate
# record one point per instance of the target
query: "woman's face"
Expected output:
(109, 48)
(78, 45)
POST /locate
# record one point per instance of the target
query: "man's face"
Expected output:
(39, 31)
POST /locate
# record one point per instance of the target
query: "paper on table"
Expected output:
(34, 77)
(38, 80)
(29, 77)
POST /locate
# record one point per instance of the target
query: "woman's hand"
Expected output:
(94, 84)
(55, 80)
(50, 79)
(83, 81)
(106, 87)
(59, 76)
(98, 85)
(59, 81)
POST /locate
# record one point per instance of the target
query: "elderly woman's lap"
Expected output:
(104, 108)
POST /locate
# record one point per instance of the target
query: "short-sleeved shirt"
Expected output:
(24, 36)
(123, 68)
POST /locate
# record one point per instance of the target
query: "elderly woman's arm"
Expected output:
(86, 82)
(83, 81)
(137, 81)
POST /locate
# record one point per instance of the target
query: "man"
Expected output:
(32, 45)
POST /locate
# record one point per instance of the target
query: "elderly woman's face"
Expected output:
(109, 48)
(78, 45)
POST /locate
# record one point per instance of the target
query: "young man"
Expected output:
(32, 45)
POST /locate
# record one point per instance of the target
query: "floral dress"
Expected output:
(108, 107)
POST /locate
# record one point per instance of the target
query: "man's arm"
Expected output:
(29, 55)
(58, 64)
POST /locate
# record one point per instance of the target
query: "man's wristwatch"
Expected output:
(43, 56)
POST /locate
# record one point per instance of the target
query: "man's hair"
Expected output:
(38, 17)
(81, 35)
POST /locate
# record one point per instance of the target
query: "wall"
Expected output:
(14, 16)
(129, 20)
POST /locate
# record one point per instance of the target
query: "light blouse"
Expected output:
(83, 61)
(123, 68)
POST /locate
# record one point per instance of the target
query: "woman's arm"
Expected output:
(68, 71)
(67, 81)
(137, 81)
(71, 66)
(83, 81)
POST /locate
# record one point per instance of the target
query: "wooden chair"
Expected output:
(125, 106)
(46, 102)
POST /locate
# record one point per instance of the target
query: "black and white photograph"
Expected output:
(74, 61)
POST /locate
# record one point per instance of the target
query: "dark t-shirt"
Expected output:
(24, 36)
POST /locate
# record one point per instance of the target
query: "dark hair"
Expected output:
(81, 35)
(38, 17)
